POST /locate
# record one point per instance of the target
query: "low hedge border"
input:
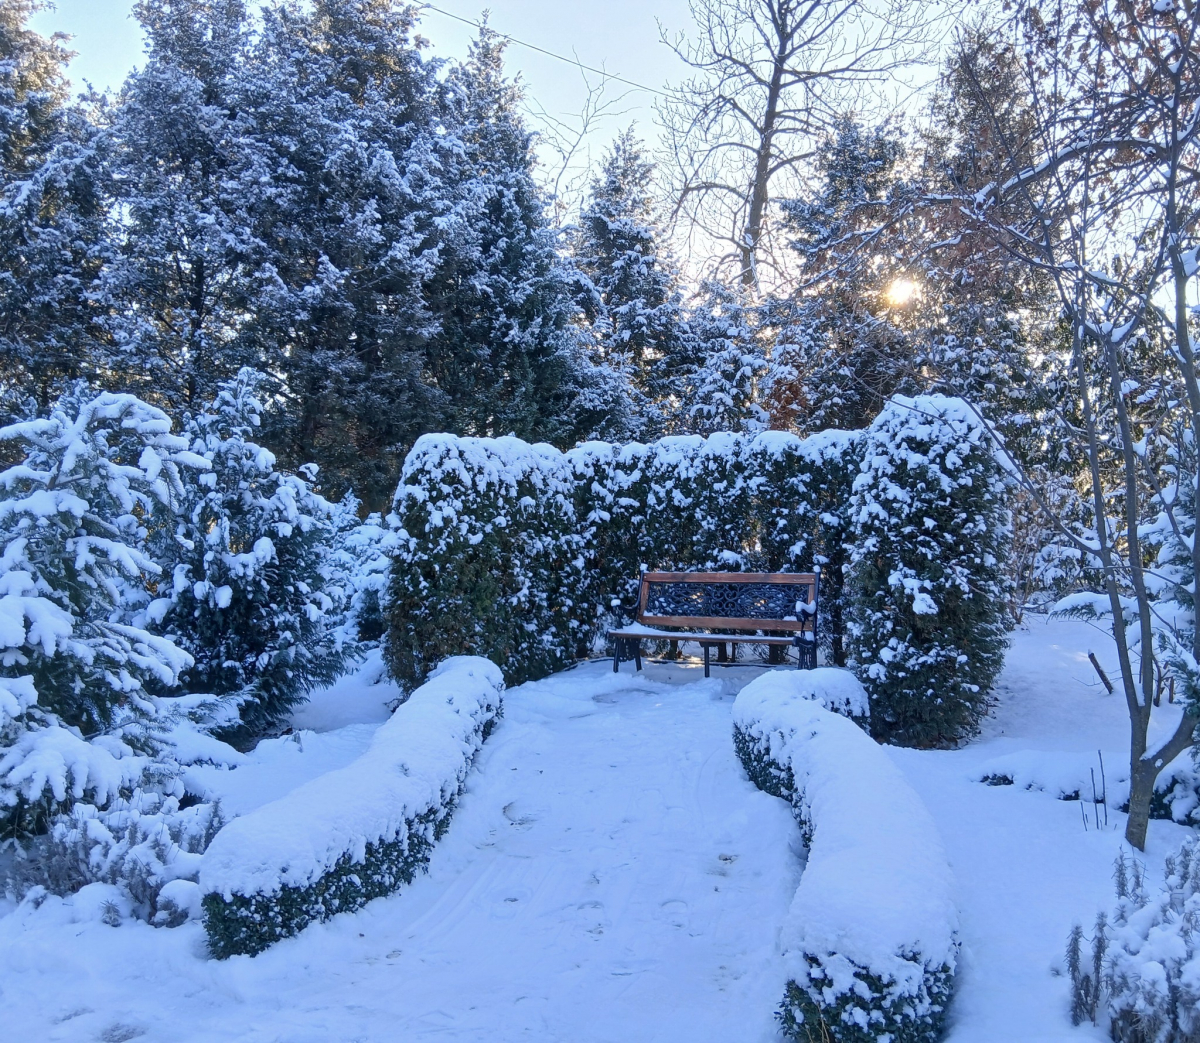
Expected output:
(843, 996)
(245, 920)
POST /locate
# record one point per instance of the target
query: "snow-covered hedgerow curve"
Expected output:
(871, 936)
(357, 833)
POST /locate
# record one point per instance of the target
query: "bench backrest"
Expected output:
(784, 601)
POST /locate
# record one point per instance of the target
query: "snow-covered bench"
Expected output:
(738, 605)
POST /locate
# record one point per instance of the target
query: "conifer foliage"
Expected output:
(927, 616)
(629, 288)
(253, 596)
(73, 557)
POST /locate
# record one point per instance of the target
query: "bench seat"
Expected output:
(726, 602)
(651, 634)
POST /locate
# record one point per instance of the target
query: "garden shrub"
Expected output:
(527, 555)
(1140, 974)
(871, 936)
(928, 532)
(357, 833)
(488, 559)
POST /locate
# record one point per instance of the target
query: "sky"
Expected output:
(620, 36)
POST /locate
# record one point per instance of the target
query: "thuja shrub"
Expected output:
(929, 527)
(527, 555)
(489, 560)
(871, 936)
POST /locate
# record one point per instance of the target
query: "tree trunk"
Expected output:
(1141, 793)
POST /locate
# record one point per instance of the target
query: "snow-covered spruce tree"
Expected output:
(723, 388)
(355, 212)
(499, 347)
(844, 345)
(629, 287)
(75, 674)
(927, 618)
(177, 285)
(362, 558)
(251, 596)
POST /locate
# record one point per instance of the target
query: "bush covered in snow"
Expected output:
(147, 846)
(871, 936)
(135, 565)
(488, 559)
(1140, 974)
(76, 673)
(252, 597)
(356, 833)
(927, 617)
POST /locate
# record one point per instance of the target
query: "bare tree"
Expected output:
(566, 140)
(1109, 209)
(770, 79)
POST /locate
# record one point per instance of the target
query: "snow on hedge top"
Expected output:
(415, 762)
(877, 886)
(768, 702)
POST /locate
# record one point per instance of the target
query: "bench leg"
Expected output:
(637, 653)
(616, 655)
(706, 669)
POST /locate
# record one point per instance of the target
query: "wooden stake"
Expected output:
(1100, 671)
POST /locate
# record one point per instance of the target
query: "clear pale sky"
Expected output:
(618, 35)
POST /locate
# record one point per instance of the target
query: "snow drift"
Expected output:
(871, 934)
(356, 833)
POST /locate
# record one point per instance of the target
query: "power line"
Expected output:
(542, 50)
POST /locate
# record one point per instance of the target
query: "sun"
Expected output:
(901, 292)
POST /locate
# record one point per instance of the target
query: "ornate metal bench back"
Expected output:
(729, 600)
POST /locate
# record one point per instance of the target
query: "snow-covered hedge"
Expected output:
(871, 934)
(930, 527)
(357, 833)
(524, 554)
(488, 560)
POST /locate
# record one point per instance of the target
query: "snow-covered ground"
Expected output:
(611, 875)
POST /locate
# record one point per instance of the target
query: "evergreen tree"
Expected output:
(75, 673)
(842, 345)
(52, 213)
(500, 348)
(927, 620)
(357, 162)
(724, 390)
(629, 291)
(176, 287)
(252, 596)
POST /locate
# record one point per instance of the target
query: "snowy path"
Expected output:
(610, 876)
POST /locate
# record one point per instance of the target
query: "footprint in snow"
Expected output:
(515, 818)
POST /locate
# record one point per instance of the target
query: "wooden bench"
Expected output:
(736, 604)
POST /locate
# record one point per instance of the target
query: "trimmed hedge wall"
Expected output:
(248, 924)
(357, 833)
(525, 554)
